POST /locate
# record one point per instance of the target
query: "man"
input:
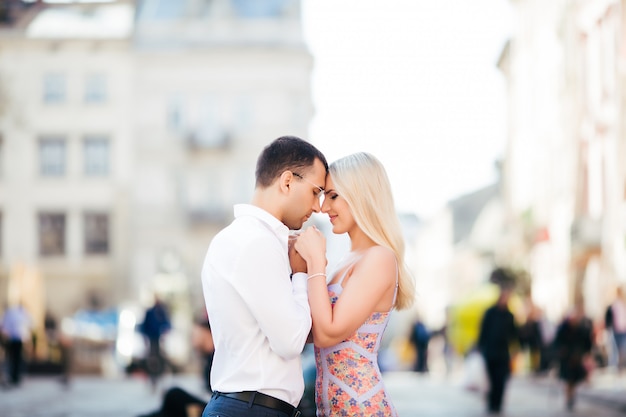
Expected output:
(498, 332)
(16, 328)
(260, 318)
(420, 337)
(573, 343)
(155, 324)
(615, 322)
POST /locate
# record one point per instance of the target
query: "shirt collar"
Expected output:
(272, 222)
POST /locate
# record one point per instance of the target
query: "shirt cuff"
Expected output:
(298, 281)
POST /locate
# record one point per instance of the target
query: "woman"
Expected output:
(351, 312)
(573, 342)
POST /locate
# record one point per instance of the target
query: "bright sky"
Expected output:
(415, 83)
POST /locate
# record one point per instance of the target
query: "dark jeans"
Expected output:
(230, 407)
(498, 371)
(14, 350)
(620, 342)
(155, 361)
(421, 363)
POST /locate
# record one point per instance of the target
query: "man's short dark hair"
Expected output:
(286, 153)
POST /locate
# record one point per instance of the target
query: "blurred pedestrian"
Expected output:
(498, 332)
(202, 341)
(531, 338)
(60, 343)
(260, 318)
(155, 324)
(420, 338)
(448, 349)
(351, 312)
(548, 331)
(573, 344)
(17, 328)
(615, 323)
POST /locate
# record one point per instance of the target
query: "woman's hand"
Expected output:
(311, 245)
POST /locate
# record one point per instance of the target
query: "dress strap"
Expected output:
(395, 291)
(343, 276)
(348, 267)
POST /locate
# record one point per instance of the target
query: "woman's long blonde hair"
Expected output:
(362, 181)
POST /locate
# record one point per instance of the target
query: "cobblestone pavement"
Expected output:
(413, 395)
(418, 395)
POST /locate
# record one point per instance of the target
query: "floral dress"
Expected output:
(349, 382)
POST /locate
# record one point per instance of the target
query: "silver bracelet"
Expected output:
(319, 274)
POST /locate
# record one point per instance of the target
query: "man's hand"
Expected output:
(297, 262)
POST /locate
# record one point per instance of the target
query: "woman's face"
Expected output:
(337, 209)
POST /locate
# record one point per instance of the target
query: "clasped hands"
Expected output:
(307, 251)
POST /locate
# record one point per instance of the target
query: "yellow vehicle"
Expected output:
(465, 316)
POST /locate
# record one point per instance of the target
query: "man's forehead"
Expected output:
(318, 171)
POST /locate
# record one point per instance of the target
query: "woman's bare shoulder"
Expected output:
(381, 253)
(378, 258)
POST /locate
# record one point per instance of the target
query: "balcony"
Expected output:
(208, 140)
(209, 216)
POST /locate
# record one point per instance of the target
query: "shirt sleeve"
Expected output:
(300, 286)
(278, 303)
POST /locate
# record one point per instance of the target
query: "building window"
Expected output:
(259, 9)
(161, 10)
(51, 234)
(52, 156)
(96, 88)
(208, 130)
(175, 120)
(243, 114)
(96, 155)
(54, 88)
(96, 233)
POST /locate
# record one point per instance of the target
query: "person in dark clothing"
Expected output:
(420, 337)
(498, 332)
(155, 324)
(202, 341)
(16, 328)
(531, 338)
(615, 323)
(179, 403)
(573, 343)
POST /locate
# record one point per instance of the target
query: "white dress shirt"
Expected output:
(260, 319)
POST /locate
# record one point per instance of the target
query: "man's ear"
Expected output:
(285, 181)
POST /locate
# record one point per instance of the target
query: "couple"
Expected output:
(265, 296)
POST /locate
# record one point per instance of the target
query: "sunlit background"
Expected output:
(128, 129)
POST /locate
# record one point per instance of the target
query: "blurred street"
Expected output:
(413, 394)
(130, 128)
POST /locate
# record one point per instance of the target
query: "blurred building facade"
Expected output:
(564, 178)
(128, 130)
(66, 138)
(453, 253)
(558, 211)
